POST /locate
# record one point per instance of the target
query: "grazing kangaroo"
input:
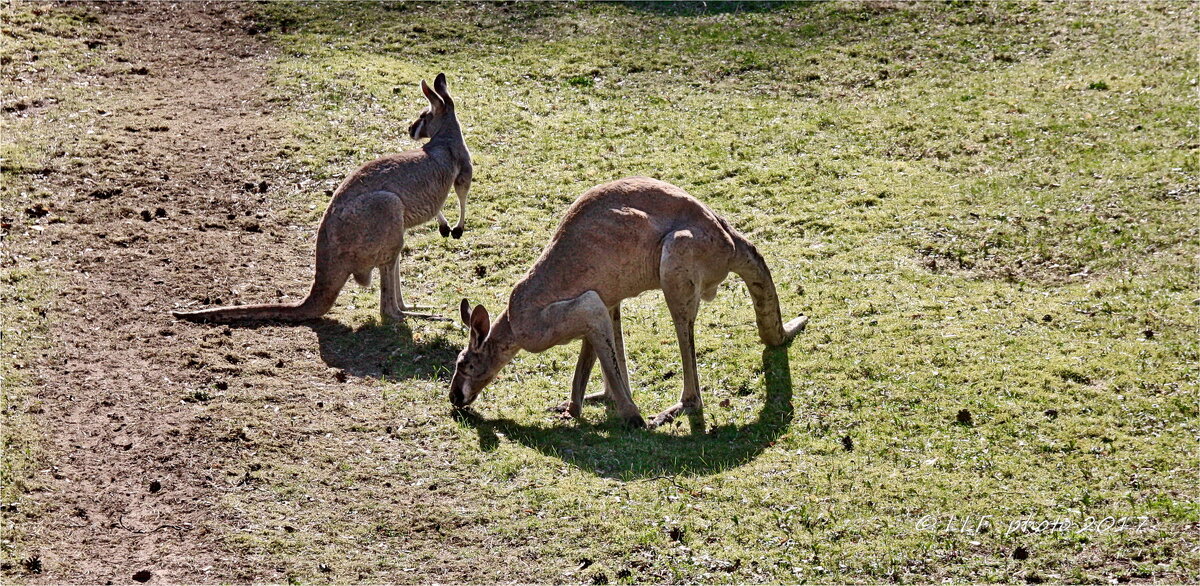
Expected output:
(616, 241)
(365, 223)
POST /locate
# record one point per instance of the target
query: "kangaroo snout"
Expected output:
(459, 389)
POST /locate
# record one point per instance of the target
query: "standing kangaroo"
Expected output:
(365, 223)
(616, 241)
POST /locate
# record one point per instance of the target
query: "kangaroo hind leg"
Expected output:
(681, 273)
(391, 302)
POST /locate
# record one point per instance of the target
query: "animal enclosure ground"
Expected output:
(989, 211)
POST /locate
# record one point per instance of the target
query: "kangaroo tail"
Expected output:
(751, 267)
(320, 298)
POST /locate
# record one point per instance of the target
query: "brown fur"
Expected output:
(616, 241)
(364, 227)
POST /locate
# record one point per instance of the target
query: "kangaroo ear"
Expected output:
(443, 91)
(435, 101)
(464, 310)
(481, 323)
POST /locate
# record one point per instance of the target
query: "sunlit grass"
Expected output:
(989, 211)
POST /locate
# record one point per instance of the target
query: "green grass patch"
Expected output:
(24, 303)
(989, 208)
(41, 43)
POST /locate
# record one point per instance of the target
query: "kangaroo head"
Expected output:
(439, 115)
(480, 361)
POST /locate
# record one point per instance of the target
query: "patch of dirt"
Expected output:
(193, 453)
(146, 207)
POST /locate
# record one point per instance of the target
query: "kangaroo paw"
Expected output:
(567, 410)
(444, 231)
(457, 232)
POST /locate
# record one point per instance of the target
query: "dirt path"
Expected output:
(168, 187)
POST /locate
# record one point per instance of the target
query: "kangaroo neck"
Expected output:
(500, 343)
(451, 138)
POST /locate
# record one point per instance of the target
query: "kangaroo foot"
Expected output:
(696, 415)
(412, 307)
(634, 421)
(400, 316)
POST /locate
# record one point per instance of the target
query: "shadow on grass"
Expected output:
(385, 351)
(611, 450)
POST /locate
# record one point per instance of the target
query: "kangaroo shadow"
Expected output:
(608, 449)
(386, 351)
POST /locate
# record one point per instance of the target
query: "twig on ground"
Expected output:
(184, 527)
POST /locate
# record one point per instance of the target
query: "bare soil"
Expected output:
(171, 197)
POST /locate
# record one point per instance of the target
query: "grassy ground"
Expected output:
(55, 38)
(990, 211)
